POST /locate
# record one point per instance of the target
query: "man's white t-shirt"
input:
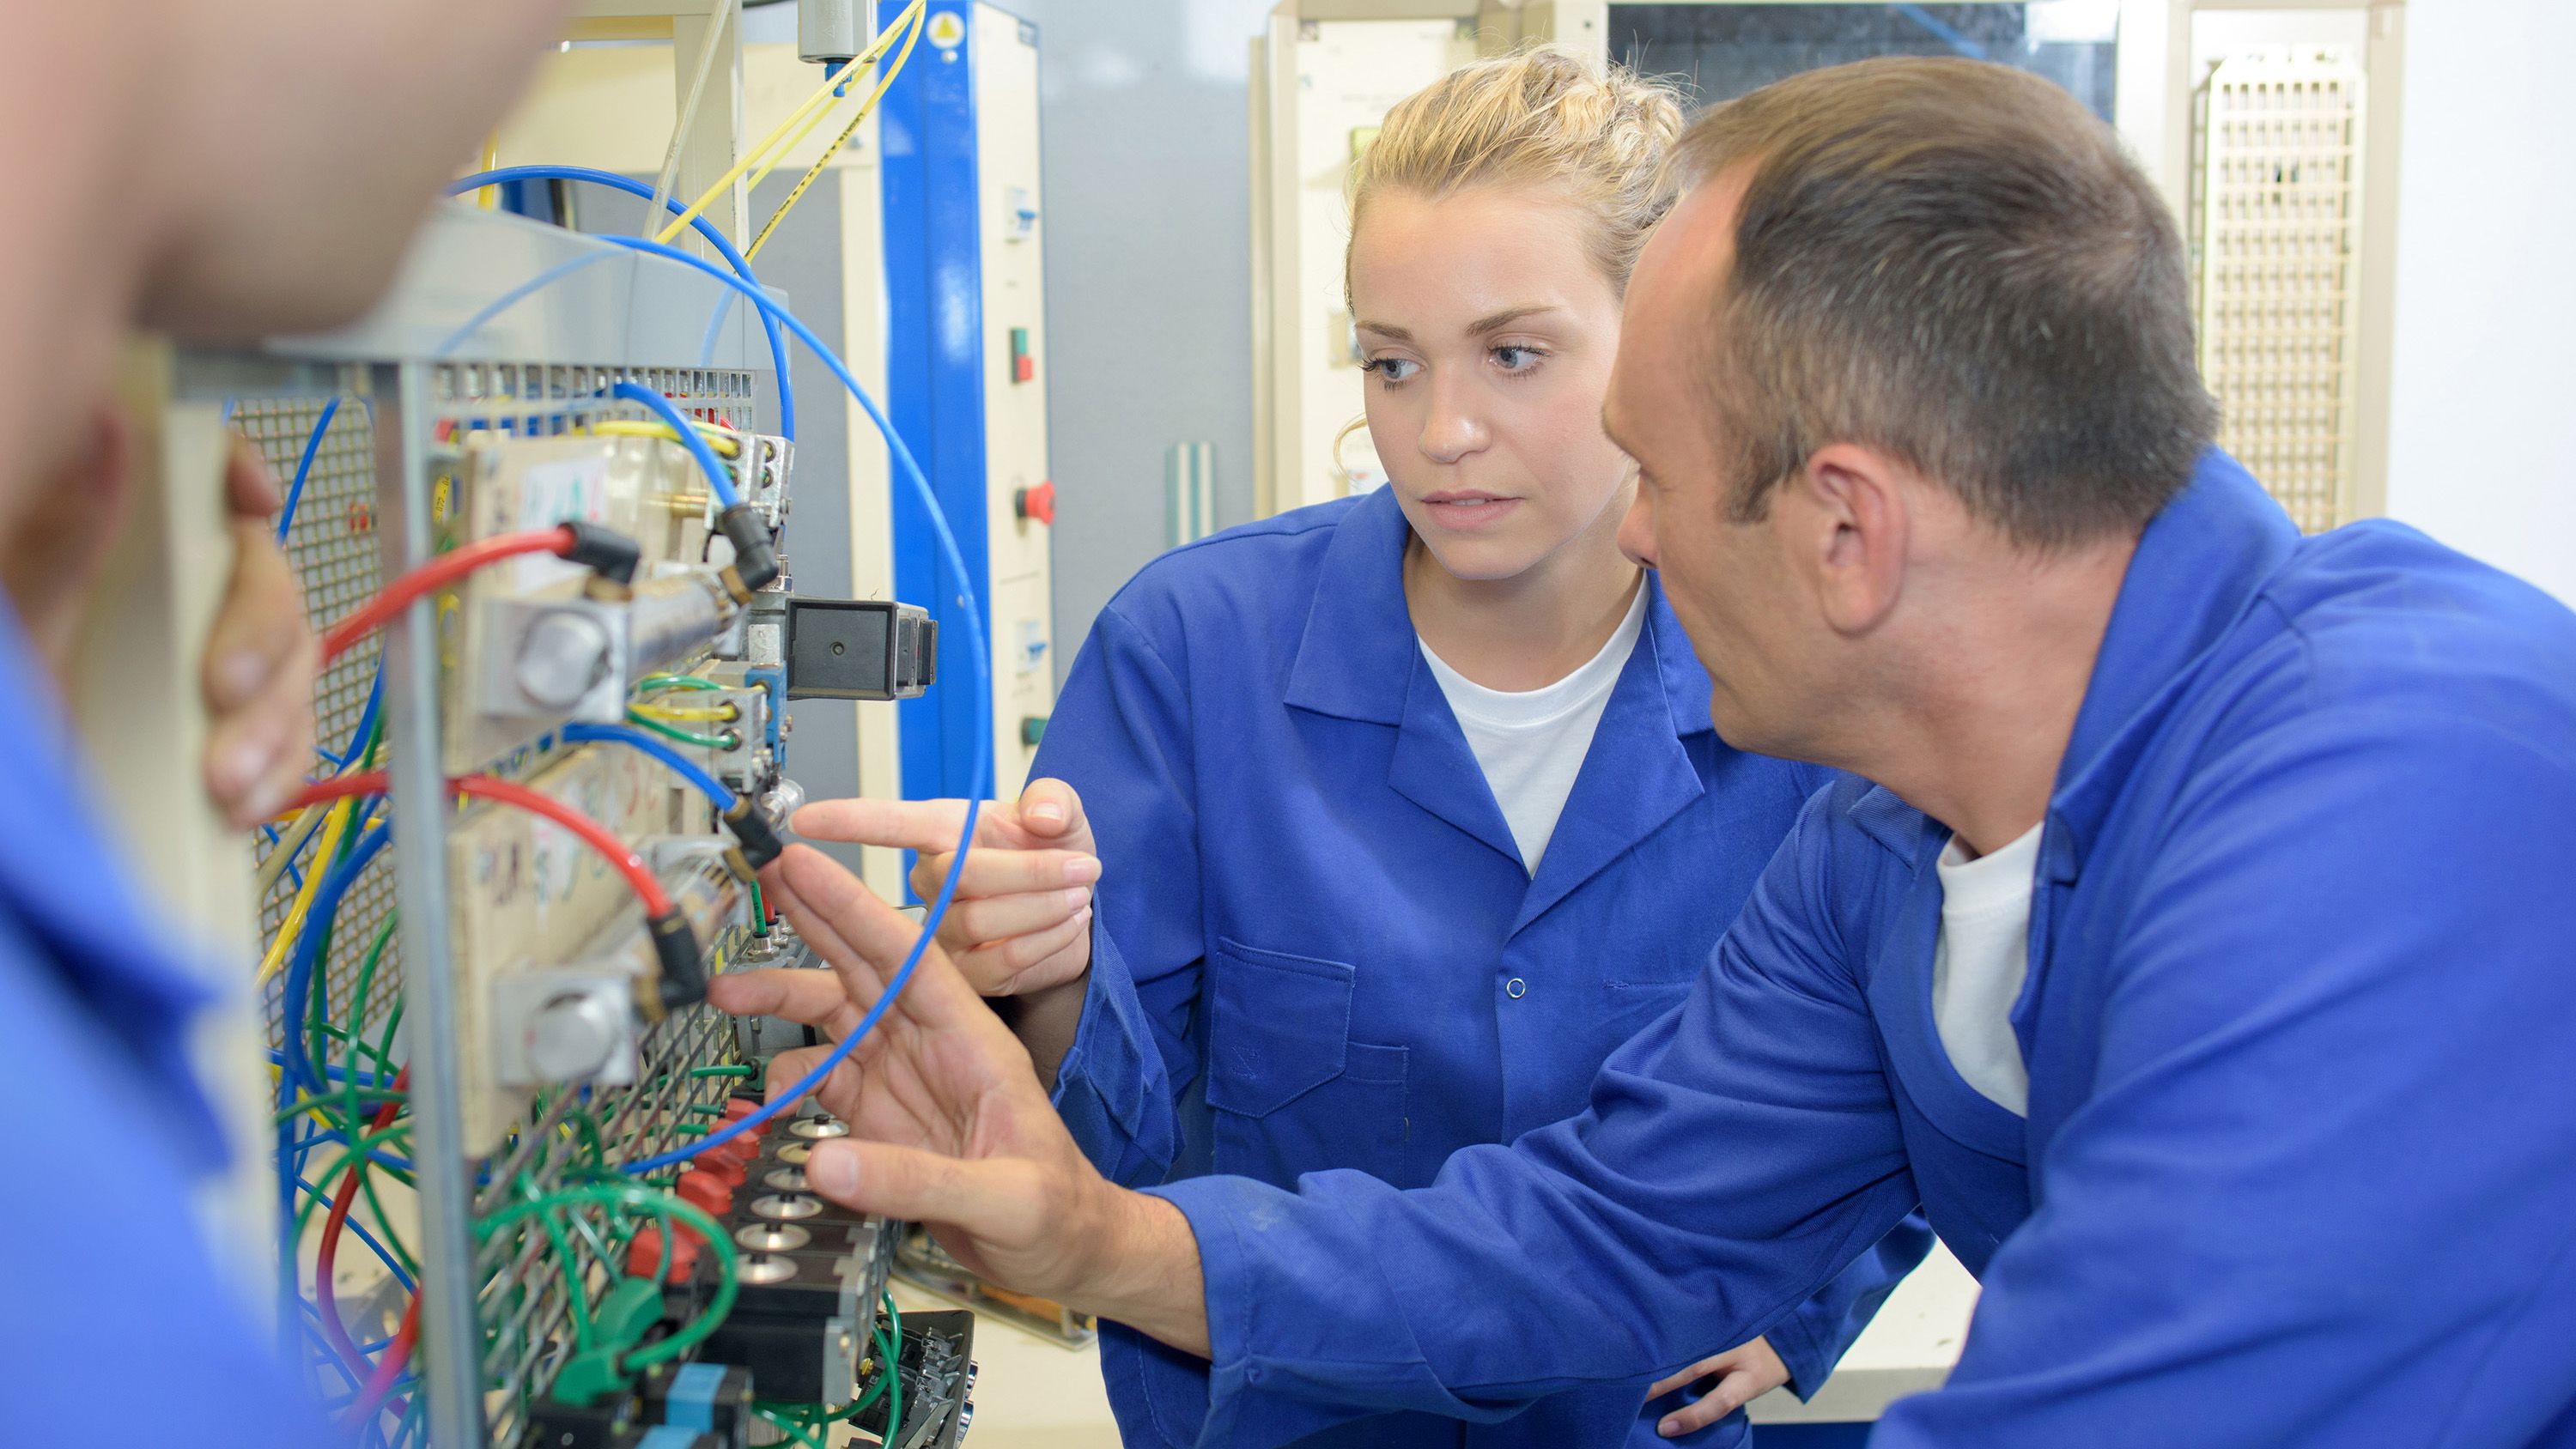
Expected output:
(1531, 743)
(1978, 967)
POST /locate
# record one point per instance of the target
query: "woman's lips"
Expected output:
(1466, 511)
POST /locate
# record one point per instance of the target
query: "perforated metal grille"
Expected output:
(334, 546)
(2277, 202)
(526, 1308)
(332, 543)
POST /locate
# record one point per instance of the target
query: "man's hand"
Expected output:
(261, 658)
(1744, 1373)
(1021, 921)
(948, 1125)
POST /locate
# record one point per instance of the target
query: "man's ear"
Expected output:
(51, 558)
(1852, 535)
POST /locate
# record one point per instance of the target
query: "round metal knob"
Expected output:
(784, 801)
(572, 1036)
(563, 656)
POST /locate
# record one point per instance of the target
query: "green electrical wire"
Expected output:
(729, 740)
(358, 1147)
(366, 986)
(729, 1069)
(893, 1375)
(574, 1290)
(796, 1432)
(655, 683)
(664, 1208)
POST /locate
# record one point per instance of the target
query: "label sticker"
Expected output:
(947, 30)
(550, 493)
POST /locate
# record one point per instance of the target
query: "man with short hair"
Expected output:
(2198, 949)
(221, 172)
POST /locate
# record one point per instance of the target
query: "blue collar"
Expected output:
(1350, 665)
(2198, 566)
(2197, 569)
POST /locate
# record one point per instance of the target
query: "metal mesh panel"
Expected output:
(333, 545)
(2276, 193)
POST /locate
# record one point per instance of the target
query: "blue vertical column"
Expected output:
(935, 371)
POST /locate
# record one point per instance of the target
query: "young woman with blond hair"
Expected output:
(1405, 810)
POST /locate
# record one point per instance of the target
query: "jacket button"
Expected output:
(1516, 988)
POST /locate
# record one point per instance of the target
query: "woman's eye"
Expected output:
(1517, 359)
(1393, 369)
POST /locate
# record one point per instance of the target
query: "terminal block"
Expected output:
(938, 1378)
(584, 1021)
(809, 1271)
(554, 964)
(539, 640)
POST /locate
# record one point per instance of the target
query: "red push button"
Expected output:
(645, 1254)
(706, 1190)
(1037, 503)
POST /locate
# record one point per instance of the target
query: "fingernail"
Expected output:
(833, 1170)
(1082, 869)
(1048, 811)
(1076, 898)
(263, 802)
(240, 764)
(1668, 1428)
(241, 675)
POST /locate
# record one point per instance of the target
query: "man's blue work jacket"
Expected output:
(111, 1306)
(2300, 1019)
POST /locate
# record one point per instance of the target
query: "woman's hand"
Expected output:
(1743, 1373)
(1021, 921)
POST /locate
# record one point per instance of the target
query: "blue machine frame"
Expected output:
(935, 363)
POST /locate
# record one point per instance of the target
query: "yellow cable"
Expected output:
(490, 196)
(324, 850)
(885, 82)
(757, 154)
(687, 714)
(724, 442)
(875, 52)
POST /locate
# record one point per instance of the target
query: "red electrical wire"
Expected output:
(327, 1255)
(618, 853)
(438, 573)
(397, 1357)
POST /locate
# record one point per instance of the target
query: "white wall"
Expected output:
(2485, 371)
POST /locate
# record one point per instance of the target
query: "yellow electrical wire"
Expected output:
(724, 441)
(490, 196)
(885, 82)
(758, 152)
(875, 53)
(688, 714)
(325, 849)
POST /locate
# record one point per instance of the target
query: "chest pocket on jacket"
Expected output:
(1292, 1092)
(1279, 1026)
